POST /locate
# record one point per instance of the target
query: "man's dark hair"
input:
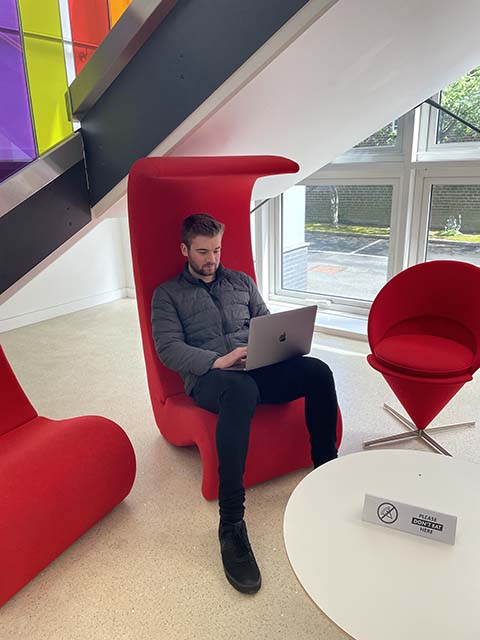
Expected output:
(200, 224)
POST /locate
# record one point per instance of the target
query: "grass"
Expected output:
(348, 228)
(384, 232)
(459, 237)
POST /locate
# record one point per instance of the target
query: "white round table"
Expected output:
(377, 583)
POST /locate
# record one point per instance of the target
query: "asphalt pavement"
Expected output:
(355, 265)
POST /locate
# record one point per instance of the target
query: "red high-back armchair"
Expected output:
(161, 193)
(424, 333)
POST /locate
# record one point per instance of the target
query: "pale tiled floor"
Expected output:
(151, 568)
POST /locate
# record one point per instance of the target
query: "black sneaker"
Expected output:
(238, 560)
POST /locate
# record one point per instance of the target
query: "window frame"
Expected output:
(339, 304)
(386, 153)
(413, 165)
(430, 150)
(430, 176)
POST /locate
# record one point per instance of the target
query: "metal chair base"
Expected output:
(413, 432)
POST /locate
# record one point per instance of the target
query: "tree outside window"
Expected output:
(462, 97)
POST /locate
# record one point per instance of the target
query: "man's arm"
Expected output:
(169, 339)
(256, 304)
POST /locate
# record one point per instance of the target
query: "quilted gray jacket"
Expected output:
(194, 323)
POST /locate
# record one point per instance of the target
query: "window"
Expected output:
(385, 137)
(408, 193)
(253, 226)
(442, 136)
(336, 238)
(462, 98)
(454, 222)
(383, 145)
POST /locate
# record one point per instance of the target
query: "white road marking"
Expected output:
(370, 244)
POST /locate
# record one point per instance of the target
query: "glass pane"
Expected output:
(8, 15)
(89, 25)
(16, 134)
(45, 60)
(47, 77)
(81, 55)
(89, 21)
(117, 7)
(335, 239)
(462, 98)
(454, 232)
(7, 169)
(17, 146)
(385, 137)
(41, 18)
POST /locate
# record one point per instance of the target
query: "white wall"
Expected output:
(91, 272)
(294, 217)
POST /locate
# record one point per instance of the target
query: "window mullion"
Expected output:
(402, 205)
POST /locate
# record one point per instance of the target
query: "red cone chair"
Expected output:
(424, 333)
(57, 479)
(161, 193)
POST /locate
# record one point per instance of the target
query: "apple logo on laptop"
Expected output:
(282, 337)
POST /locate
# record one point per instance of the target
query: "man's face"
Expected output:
(203, 255)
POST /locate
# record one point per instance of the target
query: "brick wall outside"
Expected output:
(370, 205)
(294, 268)
(454, 199)
(366, 205)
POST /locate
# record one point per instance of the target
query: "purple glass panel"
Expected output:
(8, 15)
(17, 145)
(9, 168)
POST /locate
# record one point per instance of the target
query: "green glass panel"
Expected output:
(48, 83)
(41, 17)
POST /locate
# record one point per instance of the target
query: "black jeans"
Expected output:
(234, 396)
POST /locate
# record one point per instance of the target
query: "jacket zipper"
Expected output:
(226, 339)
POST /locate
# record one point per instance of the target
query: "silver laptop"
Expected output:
(277, 337)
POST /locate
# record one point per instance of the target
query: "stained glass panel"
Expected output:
(89, 24)
(117, 7)
(17, 146)
(48, 85)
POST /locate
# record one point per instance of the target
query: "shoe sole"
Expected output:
(242, 588)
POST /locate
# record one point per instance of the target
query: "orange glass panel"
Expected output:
(117, 7)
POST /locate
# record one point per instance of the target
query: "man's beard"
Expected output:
(204, 270)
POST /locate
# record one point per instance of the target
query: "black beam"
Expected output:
(35, 228)
(198, 46)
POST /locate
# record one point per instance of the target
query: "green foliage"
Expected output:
(462, 97)
(387, 135)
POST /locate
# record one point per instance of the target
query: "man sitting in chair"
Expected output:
(200, 323)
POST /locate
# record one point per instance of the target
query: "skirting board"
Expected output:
(7, 324)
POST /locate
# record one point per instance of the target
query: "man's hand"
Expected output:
(229, 359)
